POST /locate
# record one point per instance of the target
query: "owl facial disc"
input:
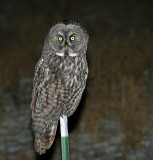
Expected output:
(67, 39)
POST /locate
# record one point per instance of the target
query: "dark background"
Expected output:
(115, 118)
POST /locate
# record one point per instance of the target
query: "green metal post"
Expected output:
(64, 138)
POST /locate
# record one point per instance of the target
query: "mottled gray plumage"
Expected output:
(59, 80)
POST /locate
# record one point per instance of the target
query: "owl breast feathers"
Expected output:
(59, 80)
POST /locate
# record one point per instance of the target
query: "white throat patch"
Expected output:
(60, 54)
(70, 54)
(73, 54)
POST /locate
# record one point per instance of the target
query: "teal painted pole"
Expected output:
(64, 138)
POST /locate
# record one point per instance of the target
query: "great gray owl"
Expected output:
(59, 80)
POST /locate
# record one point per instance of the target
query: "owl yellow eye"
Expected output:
(72, 38)
(60, 38)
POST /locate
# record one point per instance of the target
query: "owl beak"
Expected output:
(66, 46)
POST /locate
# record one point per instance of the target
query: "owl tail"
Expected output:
(41, 145)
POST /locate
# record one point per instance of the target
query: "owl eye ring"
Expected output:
(72, 38)
(60, 38)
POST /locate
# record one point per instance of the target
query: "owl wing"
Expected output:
(36, 81)
(44, 123)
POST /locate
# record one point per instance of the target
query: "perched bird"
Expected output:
(59, 80)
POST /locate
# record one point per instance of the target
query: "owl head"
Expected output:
(67, 38)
